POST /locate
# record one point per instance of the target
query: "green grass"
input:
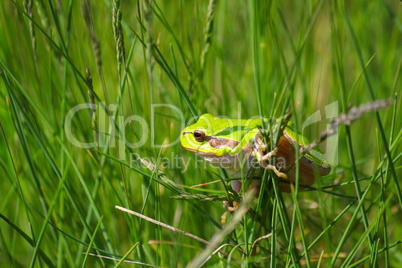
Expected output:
(231, 58)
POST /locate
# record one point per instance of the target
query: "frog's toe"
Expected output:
(223, 217)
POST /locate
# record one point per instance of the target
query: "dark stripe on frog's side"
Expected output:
(220, 142)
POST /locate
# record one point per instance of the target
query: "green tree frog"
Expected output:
(229, 142)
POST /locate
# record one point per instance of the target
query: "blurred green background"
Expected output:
(231, 58)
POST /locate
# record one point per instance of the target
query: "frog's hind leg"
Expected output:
(262, 157)
(236, 185)
(229, 209)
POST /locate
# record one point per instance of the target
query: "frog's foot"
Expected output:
(277, 172)
(263, 158)
(229, 209)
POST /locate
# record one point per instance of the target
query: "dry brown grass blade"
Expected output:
(126, 261)
(258, 240)
(346, 119)
(206, 254)
(139, 215)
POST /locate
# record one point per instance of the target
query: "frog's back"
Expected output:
(228, 128)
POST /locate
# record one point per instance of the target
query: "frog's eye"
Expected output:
(199, 135)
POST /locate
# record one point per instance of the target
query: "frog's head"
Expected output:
(213, 136)
(203, 138)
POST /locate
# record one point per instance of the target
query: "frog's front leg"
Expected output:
(259, 149)
(262, 160)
